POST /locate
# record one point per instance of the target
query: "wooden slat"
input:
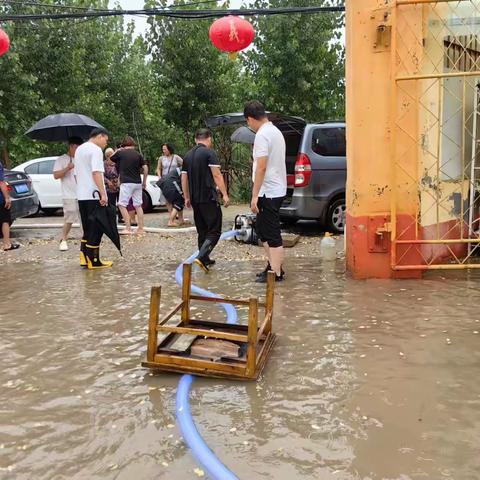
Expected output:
(163, 338)
(264, 353)
(218, 325)
(270, 300)
(171, 313)
(263, 327)
(197, 363)
(186, 291)
(231, 301)
(233, 337)
(152, 322)
(198, 371)
(182, 343)
(252, 337)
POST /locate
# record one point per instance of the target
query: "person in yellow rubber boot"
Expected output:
(89, 170)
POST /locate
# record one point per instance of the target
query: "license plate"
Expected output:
(21, 188)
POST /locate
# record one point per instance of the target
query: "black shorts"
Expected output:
(5, 216)
(177, 201)
(268, 221)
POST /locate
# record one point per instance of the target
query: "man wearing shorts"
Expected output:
(269, 186)
(5, 217)
(130, 164)
(63, 171)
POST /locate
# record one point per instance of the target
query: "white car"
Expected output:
(49, 191)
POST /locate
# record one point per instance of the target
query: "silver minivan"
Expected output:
(316, 168)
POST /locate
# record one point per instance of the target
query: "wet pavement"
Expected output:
(369, 380)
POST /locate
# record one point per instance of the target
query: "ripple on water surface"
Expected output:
(368, 380)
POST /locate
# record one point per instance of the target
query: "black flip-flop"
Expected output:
(13, 246)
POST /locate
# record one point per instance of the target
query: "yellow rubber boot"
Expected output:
(93, 258)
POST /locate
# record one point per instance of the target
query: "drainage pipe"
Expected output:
(31, 226)
(202, 453)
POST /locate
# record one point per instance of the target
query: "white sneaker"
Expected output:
(63, 246)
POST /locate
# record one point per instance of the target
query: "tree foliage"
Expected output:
(196, 79)
(94, 67)
(160, 88)
(297, 62)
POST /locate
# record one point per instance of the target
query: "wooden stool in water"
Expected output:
(209, 348)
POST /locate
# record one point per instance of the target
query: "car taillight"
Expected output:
(303, 170)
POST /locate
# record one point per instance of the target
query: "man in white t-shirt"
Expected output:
(63, 171)
(269, 185)
(89, 171)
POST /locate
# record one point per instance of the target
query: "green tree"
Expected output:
(195, 78)
(297, 63)
(95, 67)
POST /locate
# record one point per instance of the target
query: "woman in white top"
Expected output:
(166, 163)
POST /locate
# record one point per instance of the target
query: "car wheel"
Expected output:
(146, 202)
(49, 211)
(336, 216)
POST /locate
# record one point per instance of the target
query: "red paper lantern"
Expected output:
(4, 43)
(231, 34)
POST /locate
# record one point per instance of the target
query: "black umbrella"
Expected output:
(61, 126)
(243, 135)
(104, 218)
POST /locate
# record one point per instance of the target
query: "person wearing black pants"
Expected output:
(208, 220)
(201, 177)
(89, 170)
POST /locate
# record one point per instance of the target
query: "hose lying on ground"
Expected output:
(193, 439)
(33, 226)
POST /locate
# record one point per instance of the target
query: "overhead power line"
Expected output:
(173, 13)
(54, 6)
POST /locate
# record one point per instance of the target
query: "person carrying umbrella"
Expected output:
(89, 170)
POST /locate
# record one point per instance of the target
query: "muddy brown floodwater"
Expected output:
(368, 380)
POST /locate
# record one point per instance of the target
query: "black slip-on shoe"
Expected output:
(263, 278)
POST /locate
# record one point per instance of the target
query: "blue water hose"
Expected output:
(204, 456)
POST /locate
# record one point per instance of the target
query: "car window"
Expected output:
(32, 169)
(46, 167)
(329, 142)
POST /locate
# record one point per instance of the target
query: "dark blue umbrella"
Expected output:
(61, 126)
(243, 135)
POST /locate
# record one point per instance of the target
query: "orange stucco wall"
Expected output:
(371, 116)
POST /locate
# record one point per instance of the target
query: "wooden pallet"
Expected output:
(169, 344)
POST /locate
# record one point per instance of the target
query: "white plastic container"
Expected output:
(328, 248)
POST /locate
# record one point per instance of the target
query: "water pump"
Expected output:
(245, 224)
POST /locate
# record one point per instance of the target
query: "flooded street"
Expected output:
(368, 380)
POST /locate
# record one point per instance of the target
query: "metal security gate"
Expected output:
(435, 60)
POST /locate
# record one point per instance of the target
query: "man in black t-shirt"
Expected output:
(129, 165)
(201, 176)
